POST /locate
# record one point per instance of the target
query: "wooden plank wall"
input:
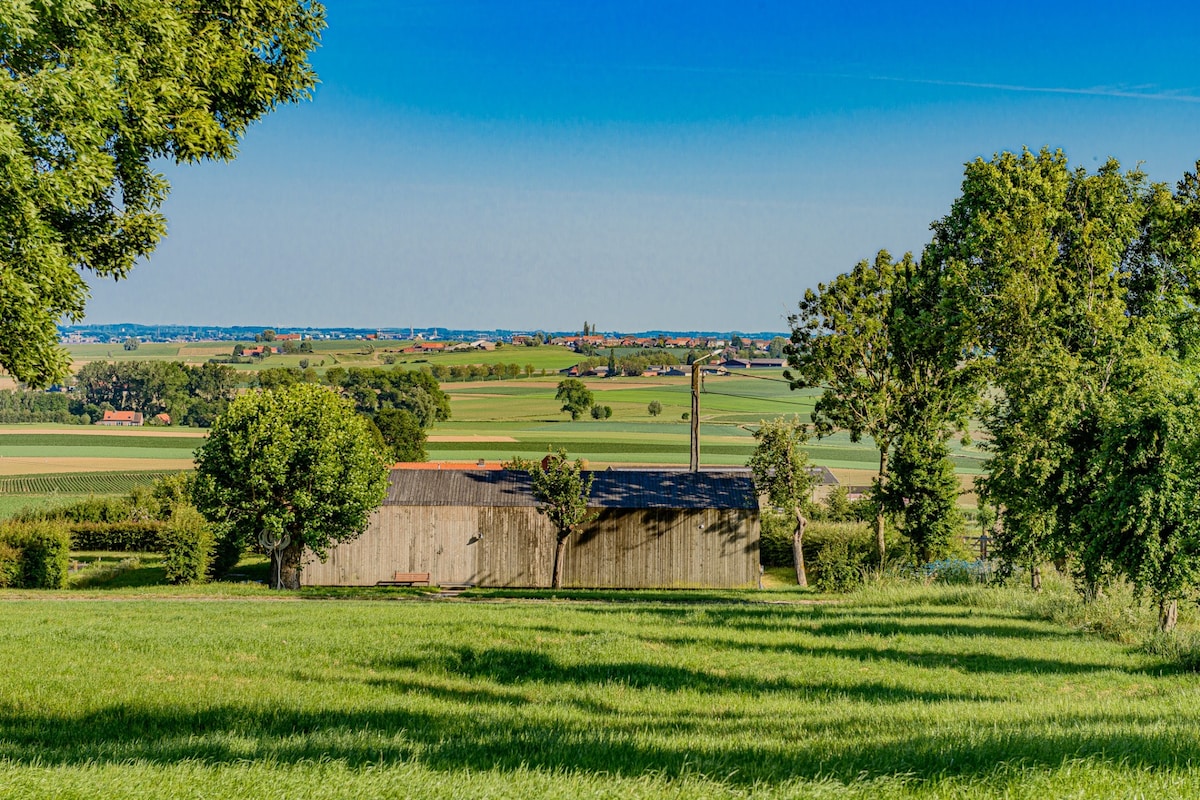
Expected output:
(623, 548)
(440, 540)
(650, 548)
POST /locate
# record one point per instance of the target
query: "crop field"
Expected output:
(79, 483)
(46, 490)
(921, 693)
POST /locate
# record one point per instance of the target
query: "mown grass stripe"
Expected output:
(75, 440)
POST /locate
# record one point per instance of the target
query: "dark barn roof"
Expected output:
(610, 489)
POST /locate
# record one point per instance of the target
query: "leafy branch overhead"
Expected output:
(90, 95)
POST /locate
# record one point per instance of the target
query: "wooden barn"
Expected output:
(656, 528)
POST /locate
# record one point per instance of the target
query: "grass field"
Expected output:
(915, 693)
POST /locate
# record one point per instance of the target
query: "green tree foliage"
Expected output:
(375, 389)
(402, 433)
(194, 395)
(562, 490)
(1036, 249)
(20, 405)
(290, 469)
(923, 494)
(841, 344)
(575, 397)
(1079, 290)
(654, 408)
(780, 468)
(132, 343)
(1145, 511)
(91, 94)
(879, 344)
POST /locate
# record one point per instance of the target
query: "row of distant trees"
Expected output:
(191, 395)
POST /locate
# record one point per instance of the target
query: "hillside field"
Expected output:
(496, 420)
(934, 692)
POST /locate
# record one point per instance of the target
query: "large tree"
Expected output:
(1081, 293)
(91, 93)
(781, 471)
(290, 469)
(1038, 254)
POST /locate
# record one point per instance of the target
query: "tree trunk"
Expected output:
(285, 567)
(559, 549)
(1168, 614)
(798, 549)
(880, 543)
(1035, 577)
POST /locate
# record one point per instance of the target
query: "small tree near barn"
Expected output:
(562, 492)
(781, 472)
(289, 469)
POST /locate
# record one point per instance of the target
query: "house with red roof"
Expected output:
(121, 418)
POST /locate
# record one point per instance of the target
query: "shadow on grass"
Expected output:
(482, 733)
(516, 666)
(834, 621)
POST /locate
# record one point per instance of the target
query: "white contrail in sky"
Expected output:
(1134, 93)
(1095, 91)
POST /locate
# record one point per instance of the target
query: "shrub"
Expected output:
(838, 554)
(227, 552)
(44, 549)
(122, 537)
(187, 546)
(835, 569)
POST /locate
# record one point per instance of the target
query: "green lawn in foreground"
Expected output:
(920, 693)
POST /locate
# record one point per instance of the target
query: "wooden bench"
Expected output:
(410, 579)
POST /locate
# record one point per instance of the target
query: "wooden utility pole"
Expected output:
(695, 460)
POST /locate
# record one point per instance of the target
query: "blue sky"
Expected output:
(679, 165)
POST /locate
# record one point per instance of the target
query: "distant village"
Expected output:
(432, 339)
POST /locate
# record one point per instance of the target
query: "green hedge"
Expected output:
(41, 551)
(123, 537)
(10, 565)
(775, 544)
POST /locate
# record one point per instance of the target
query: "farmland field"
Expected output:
(526, 412)
(922, 693)
(495, 420)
